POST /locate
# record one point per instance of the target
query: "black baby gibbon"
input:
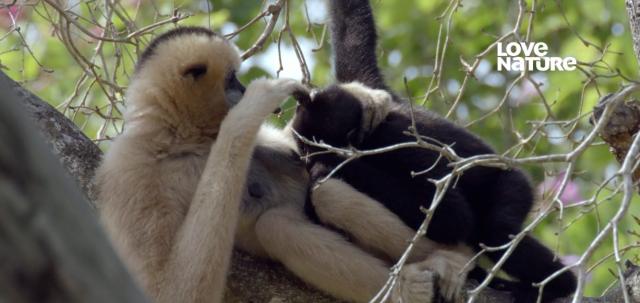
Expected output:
(486, 205)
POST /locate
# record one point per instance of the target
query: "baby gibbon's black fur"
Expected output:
(486, 205)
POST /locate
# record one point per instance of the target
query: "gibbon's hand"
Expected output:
(415, 285)
(271, 92)
(449, 266)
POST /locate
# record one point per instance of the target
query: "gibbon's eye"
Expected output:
(196, 70)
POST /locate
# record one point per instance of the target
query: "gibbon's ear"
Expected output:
(303, 96)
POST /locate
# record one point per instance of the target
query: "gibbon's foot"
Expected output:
(449, 265)
(414, 285)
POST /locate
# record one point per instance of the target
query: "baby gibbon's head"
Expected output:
(186, 76)
(341, 114)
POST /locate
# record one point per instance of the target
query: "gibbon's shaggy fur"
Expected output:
(168, 186)
(486, 205)
(183, 181)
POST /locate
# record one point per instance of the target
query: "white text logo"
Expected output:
(531, 56)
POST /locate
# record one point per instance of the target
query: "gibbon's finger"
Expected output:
(276, 90)
(450, 267)
(303, 96)
(298, 92)
(291, 85)
(415, 285)
(271, 92)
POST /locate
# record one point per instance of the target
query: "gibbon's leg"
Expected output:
(197, 266)
(328, 261)
(373, 225)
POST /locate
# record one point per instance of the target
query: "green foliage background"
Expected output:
(408, 33)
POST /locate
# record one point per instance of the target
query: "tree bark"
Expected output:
(54, 251)
(77, 153)
(51, 247)
(621, 128)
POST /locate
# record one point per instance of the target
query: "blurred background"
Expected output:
(79, 55)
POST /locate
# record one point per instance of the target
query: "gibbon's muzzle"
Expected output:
(233, 90)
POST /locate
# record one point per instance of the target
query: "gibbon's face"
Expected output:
(193, 73)
(332, 115)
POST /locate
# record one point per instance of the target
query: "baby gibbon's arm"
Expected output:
(197, 267)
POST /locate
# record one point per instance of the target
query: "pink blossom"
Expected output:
(570, 260)
(570, 194)
(10, 15)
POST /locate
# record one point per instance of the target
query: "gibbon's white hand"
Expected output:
(271, 92)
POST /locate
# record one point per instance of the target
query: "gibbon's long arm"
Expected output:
(320, 256)
(354, 40)
(200, 256)
(326, 259)
(374, 226)
(340, 205)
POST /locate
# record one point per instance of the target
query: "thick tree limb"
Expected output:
(48, 254)
(77, 153)
(621, 128)
(51, 246)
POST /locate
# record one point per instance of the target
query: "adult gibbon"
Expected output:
(183, 181)
(486, 205)
(168, 186)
